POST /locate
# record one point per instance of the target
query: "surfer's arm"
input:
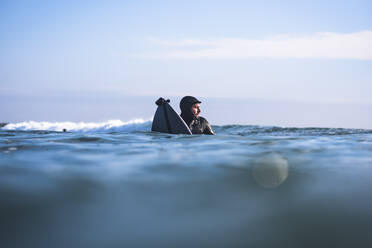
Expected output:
(209, 130)
(207, 127)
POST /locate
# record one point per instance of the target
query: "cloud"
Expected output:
(356, 45)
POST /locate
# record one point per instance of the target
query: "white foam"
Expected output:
(110, 126)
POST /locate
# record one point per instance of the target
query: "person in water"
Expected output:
(190, 110)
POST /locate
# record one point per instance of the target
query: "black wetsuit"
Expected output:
(197, 125)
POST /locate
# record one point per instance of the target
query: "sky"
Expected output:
(286, 63)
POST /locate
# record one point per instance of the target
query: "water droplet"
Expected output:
(270, 171)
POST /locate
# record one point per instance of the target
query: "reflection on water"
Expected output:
(146, 189)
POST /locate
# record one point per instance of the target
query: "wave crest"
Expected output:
(107, 126)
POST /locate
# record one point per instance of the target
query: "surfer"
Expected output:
(190, 110)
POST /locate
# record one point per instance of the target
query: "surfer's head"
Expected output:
(195, 109)
(190, 106)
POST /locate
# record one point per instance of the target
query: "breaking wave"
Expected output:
(107, 126)
(143, 125)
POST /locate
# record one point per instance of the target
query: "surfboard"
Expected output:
(166, 120)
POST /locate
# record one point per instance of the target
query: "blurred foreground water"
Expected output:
(247, 186)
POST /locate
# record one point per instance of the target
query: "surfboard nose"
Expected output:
(161, 101)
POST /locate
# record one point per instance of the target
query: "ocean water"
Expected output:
(117, 184)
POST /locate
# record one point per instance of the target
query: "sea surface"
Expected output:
(117, 184)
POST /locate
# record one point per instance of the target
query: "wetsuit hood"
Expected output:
(185, 106)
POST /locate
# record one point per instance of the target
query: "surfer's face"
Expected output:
(196, 109)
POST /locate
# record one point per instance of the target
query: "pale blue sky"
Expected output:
(96, 60)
